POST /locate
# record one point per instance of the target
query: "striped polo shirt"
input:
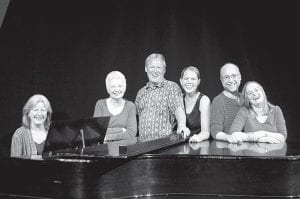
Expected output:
(223, 112)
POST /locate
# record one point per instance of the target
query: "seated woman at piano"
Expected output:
(258, 120)
(122, 124)
(196, 104)
(29, 139)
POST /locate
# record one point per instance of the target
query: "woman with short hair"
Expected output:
(122, 124)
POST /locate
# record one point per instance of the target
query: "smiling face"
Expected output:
(255, 94)
(189, 81)
(116, 88)
(230, 78)
(38, 114)
(155, 69)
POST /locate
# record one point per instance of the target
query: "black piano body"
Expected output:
(164, 168)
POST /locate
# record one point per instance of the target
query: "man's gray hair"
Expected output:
(156, 56)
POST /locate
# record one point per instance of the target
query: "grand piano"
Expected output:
(168, 167)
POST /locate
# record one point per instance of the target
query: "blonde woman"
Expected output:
(30, 138)
(258, 120)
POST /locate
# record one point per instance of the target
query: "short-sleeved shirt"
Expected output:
(246, 121)
(156, 107)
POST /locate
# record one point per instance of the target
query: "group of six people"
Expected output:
(162, 109)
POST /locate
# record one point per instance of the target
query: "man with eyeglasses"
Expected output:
(226, 105)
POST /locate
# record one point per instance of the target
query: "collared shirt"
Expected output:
(156, 107)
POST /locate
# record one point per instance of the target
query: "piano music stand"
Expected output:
(73, 134)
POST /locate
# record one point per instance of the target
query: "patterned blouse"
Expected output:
(156, 107)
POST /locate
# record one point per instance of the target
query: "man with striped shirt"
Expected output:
(226, 105)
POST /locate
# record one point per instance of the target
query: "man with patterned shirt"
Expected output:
(159, 103)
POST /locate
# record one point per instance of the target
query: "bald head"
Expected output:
(230, 77)
(229, 67)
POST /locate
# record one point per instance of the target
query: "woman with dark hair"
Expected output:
(196, 105)
(259, 120)
(30, 138)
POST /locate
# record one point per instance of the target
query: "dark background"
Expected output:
(64, 49)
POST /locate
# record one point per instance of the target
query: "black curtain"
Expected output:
(64, 49)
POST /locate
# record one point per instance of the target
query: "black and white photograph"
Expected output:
(149, 99)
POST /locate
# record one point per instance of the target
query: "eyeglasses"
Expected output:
(228, 77)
